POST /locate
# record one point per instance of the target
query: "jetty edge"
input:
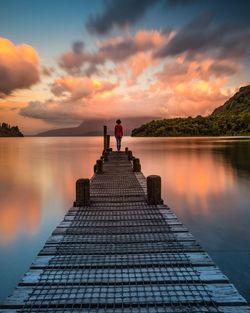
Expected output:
(121, 249)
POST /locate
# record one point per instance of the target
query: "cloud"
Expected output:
(115, 49)
(75, 88)
(193, 87)
(47, 71)
(19, 67)
(174, 3)
(75, 98)
(53, 112)
(118, 13)
(204, 35)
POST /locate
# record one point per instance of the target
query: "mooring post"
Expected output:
(108, 142)
(106, 156)
(126, 150)
(130, 155)
(105, 137)
(154, 189)
(99, 165)
(82, 192)
(136, 165)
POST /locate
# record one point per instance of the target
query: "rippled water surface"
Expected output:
(206, 182)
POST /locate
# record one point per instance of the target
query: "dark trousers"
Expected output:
(118, 142)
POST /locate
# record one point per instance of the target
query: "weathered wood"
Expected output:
(123, 254)
(154, 189)
(162, 294)
(136, 165)
(99, 166)
(82, 192)
(105, 129)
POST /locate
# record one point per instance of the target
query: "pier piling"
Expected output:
(82, 192)
(136, 165)
(154, 189)
(99, 166)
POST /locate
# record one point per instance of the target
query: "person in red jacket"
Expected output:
(118, 134)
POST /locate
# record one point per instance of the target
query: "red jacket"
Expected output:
(118, 130)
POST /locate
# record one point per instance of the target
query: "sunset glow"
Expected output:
(169, 60)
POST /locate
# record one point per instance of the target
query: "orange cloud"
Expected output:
(192, 87)
(19, 67)
(75, 88)
(115, 49)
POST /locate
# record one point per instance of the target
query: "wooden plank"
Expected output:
(148, 309)
(192, 258)
(122, 255)
(120, 238)
(136, 230)
(125, 275)
(221, 294)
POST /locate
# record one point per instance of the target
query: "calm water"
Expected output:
(206, 182)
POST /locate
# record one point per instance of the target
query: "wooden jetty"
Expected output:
(120, 249)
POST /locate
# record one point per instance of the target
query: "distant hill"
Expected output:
(8, 131)
(94, 127)
(230, 119)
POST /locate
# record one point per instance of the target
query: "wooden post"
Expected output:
(108, 142)
(154, 189)
(82, 192)
(99, 164)
(105, 137)
(136, 165)
(130, 155)
(126, 150)
(106, 156)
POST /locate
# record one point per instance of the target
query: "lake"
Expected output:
(205, 181)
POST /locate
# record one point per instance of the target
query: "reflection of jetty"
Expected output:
(119, 249)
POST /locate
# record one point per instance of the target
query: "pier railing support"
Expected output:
(154, 189)
(107, 142)
(99, 167)
(136, 165)
(130, 155)
(82, 192)
(106, 156)
(105, 129)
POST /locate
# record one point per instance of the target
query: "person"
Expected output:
(118, 134)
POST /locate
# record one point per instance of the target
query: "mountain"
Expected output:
(230, 119)
(94, 127)
(8, 131)
(237, 104)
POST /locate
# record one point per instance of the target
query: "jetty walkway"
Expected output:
(119, 249)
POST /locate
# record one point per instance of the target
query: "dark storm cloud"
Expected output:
(218, 69)
(203, 34)
(121, 13)
(118, 13)
(175, 3)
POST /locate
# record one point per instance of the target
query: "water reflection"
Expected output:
(36, 174)
(205, 181)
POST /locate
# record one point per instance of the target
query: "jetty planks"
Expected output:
(122, 255)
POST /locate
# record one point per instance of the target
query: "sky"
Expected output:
(66, 61)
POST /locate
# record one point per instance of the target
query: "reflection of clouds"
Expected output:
(196, 177)
(20, 213)
(191, 171)
(38, 175)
